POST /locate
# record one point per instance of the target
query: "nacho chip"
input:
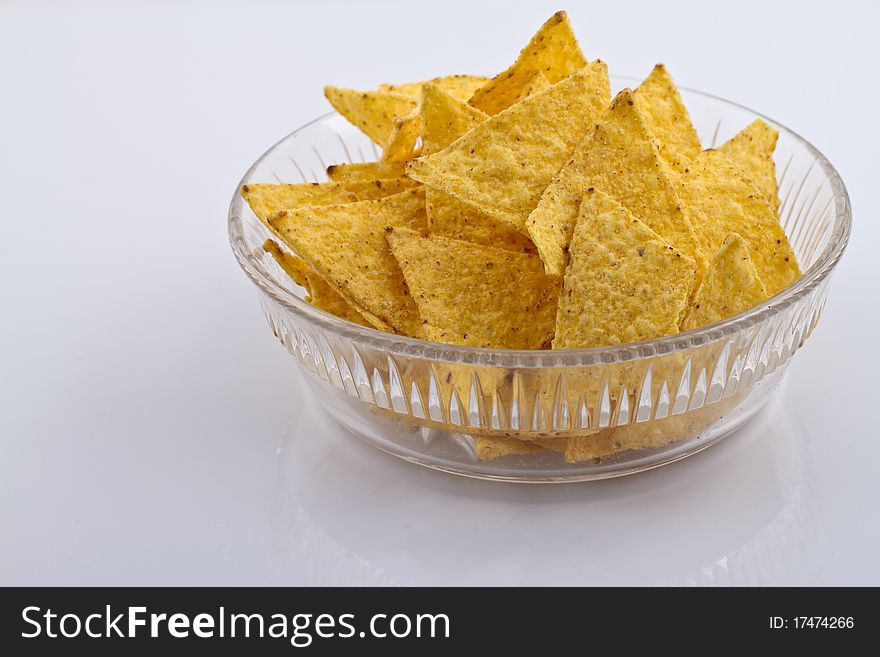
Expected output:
(320, 293)
(553, 51)
(502, 166)
(266, 199)
(624, 282)
(373, 112)
(621, 159)
(667, 118)
(461, 87)
(477, 295)
(751, 151)
(346, 245)
(403, 139)
(444, 119)
(535, 85)
(722, 201)
(452, 218)
(348, 172)
(731, 286)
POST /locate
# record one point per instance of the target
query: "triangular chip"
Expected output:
(751, 150)
(535, 85)
(621, 159)
(731, 286)
(452, 218)
(403, 139)
(461, 87)
(320, 294)
(624, 282)
(267, 198)
(346, 245)
(553, 51)
(721, 201)
(502, 166)
(347, 172)
(444, 118)
(373, 112)
(668, 118)
(477, 295)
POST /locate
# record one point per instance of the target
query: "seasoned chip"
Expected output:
(266, 199)
(723, 201)
(346, 245)
(348, 172)
(477, 295)
(731, 285)
(553, 51)
(444, 119)
(751, 151)
(461, 87)
(403, 139)
(624, 282)
(321, 294)
(667, 118)
(502, 166)
(451, 218)
(373, 112)
(621, 159)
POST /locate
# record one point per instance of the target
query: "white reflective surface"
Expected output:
(152, 431)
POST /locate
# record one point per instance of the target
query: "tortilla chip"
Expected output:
(535, 85)
(373, 112)
(349, 172)
(346, 245)
(502, 166)
(444, 119)
(477, 295)
(731, 286)
(403, 139)
(621, 159)
(751, 151)
(722, 201)
(451, 218)
(461, 87)
(667, 118)
(593, 446)
(265, 199)
(624, 282)
(320, 294)
(553, 51)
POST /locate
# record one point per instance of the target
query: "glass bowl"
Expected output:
(651, 402)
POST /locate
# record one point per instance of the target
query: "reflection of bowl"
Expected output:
(428, 402)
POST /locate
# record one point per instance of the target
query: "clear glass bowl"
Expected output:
(431, 403)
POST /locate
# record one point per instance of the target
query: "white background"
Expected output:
(152, 431)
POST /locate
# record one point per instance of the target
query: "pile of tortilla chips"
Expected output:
(532, 210)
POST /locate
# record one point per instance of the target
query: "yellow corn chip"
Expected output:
(403, 138)
(553, 51)
(621, 159)
(461, 87)
(624, 282)
(502, 166)
(321, 295)
(752, 152)
(266, 199)
(667, 118)
(444, 119)
(593, 446)
(346, 245)
(477, 295)
(348, 172)
(722, 201)
(731, 285)
(535, 85)
(451, 218)
(373, 112)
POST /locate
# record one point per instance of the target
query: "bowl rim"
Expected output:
(529, 358)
